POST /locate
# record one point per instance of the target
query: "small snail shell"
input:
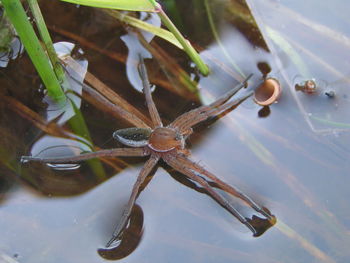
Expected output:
(268, 92)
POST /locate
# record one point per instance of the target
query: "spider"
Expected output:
(168, 143)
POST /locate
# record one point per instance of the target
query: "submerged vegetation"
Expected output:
(15, 12)
(53, 77)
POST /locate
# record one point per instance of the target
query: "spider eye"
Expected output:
(178, 137)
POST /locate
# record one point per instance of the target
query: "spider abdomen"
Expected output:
(165, 139)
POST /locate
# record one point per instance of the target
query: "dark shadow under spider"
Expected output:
(168, 143)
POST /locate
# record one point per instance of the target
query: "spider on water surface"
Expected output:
(168, 143)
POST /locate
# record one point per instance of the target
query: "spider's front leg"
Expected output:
(122, 152)
(184, 122)
(146, 170)
(157, 122)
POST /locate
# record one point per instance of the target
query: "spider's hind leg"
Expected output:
(257, 225)
(186, 162)
(174, 163)
(147, 168)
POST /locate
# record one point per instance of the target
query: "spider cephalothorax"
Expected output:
(165, 139)
(168, 143)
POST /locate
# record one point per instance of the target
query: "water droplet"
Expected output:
(64, 166)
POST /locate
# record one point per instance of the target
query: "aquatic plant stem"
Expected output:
(19, 19)
(78, 125)
(45, 37)
(192, 53)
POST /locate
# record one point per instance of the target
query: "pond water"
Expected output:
(292, 157)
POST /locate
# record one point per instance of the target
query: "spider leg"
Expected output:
(104, 96)
(85, 156)
(199, 114)
(186, 162)
(157, 122)
(115, 109)
(174, 162)
(145, 171)
(212, 112)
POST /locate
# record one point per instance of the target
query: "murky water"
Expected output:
(291, 157)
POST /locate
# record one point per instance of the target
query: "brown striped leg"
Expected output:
(146, 170)
(182, 168)
(125, 152)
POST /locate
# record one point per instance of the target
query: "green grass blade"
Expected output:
(150, 6)
(19, 19)
(78, 125)
(335, 124)
(45, 37)
(129, 5)
(160, 32)
(188, 48)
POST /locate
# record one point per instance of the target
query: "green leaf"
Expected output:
(160, 32)
(19, 19)
(130, 5)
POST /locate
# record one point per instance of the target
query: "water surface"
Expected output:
(294, 161)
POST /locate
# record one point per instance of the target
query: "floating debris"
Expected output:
(308, 86)
(324, 103)
(268, 92)
(330, 94)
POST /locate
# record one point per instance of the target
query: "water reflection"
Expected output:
(63, 178)
(264, 68)
(63, 167)
(261, 225)
(73, 226)
(135, 48)
(55, 147)
(264, 112)
(63, 112)
(130, 239)
(10, 45)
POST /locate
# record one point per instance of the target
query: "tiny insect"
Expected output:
(168, 143)
(308, 86)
